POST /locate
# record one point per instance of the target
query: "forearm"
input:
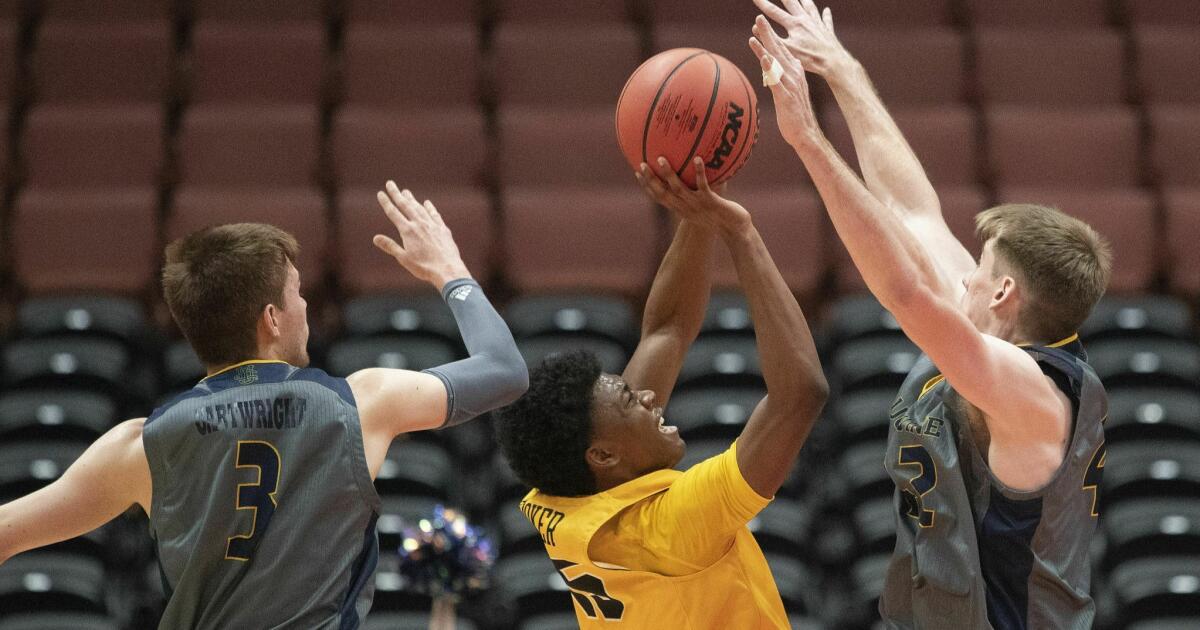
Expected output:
(494, 374)
(681, 287)
(790, 365)
(892, 262)
(891, 169)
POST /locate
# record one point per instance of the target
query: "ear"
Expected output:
(600, 456)
(270, 320)
(1006, 293)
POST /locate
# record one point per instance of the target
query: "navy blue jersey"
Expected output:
(971, 552)
(263, 509)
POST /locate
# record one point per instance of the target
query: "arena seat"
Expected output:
(400, 314)
(586, 64)
(29, 465)
(404, 12)
(82, 146)
(1181, 622)
(794, 228)
(1157, 588)
(1127, 217)
(860, 473)
(1145, 361)
(601, 240)
(862, 415)
(1152, 412)
(417, 467)
(1160, 12)
(866, 583)
(778, 528)
(944, 138)
(551, 621)
(1140, 315)
(1175, 144)
(119, 256)
(773, 162)
(727, 313)
(419, 149)
(1062, 14)
(1163, 73)
(182, 369)
(855, 316)
(889, 13)
(405, 352)
(299, 211)
(75, 62)
(889, 54)
(56, 413)
(1063, 148)
(1151, 468)
(100, 364)
(398, 512)
(797, 583)
(417, 66)
(717, 411)
(110, 11)
(407, 621)
(49, 620)
(364, 269)
(561, 147)
(516, 533)
(1182, 234)
(585, 314)
(536, 12)
(260, 12)
(529, 582)
(1088, 66)
(249, 146)
(721, 360)
(106, 315)
(52, 581)
(873, 362)
(507, 486)
(1139, 528)
(241, 63)
(612, 355)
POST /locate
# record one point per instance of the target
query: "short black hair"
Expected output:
(546, 433)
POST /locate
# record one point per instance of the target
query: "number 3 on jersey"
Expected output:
(257, 496)
(925, 481)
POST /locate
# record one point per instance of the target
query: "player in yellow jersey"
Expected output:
(641, 545)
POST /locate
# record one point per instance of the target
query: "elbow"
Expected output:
(516, 380)
(814, 392)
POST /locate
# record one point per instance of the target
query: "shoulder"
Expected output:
(339, 386)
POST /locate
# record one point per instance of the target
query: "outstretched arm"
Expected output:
(111, 476)
(675, 307)
(898, 270)
(391, 402)
(890, 168)
(796, 387)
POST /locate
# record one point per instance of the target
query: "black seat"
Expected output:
(182, 369)
(1150, 412)
(45, 581)
(721, 360)
(863, 414)
(1148, 468)
(399, 314)
(94, 362)
(529, 585)
(873, 362)
(1152, 526)
(875, 525)
(612, 355)
(1150, 588)
(120, 318)
(1125, 361)
(604, 316)
(28, 465)
(60, 413)
(416, 467)
(350, 355)
(713, 411)
(780, 527)
(49, 620)
(728, 312)
(857, 316)
(408, 621)
(799, 585)
(1133, 316)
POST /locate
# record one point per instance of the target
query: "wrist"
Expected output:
(843, 71)
(450, 274)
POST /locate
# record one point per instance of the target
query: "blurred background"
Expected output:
(127, 123)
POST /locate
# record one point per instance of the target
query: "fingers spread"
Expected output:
(393, 213)
(771, 10)
(402, 199)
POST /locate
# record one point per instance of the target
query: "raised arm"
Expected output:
(392, 402)
(675, 307)
(796, 387)
(1026, 411)
(111, 476)
(891, 170)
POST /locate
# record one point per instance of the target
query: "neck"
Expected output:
(217, 369)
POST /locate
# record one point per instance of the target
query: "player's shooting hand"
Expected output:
(793, 105)
(426, 248)
(810, 35)
(704, 205)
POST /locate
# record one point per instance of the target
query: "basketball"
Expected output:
(686, 102)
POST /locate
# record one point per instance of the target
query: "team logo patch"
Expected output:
(246, 375)
(461, 293)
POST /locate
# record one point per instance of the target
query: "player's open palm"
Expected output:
(704, 205)
(810, 35)
(426, 248)
(789, 88)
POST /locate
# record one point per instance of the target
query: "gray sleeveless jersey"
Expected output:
(263, 509)
(970, 552)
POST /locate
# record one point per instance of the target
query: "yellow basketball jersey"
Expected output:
(736, 591)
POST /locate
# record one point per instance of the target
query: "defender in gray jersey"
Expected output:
(258, 481)
(996, 442)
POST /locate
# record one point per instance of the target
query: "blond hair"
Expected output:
(217, 281)
(1062, 263)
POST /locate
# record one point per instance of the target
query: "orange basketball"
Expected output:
(686, 102)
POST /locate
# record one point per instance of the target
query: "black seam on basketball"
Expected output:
(747, 145)
(708, 114)
(657, 95)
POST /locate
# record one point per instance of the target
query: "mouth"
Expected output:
(664, 428)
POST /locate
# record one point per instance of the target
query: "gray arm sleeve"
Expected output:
(494, 374)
